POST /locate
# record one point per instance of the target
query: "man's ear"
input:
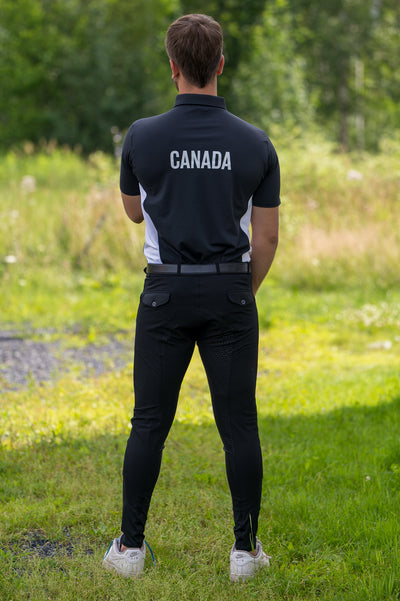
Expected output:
(221, 65)
(174, 68)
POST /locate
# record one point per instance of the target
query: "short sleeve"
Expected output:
(128, 181)
(268, 192)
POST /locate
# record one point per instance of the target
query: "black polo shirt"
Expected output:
(199, 170)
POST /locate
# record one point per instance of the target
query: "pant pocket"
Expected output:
(155, 299)
(241, 297)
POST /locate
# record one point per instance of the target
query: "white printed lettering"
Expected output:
(226, 163)
(195, 155)
(216, 159)
(206, 163)
(196, 159)
(185, 160)
(174, 159)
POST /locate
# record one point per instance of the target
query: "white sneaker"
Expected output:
(129, 563)
(244, 565)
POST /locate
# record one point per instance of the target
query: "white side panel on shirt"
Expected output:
(245, 227)
(151, 245)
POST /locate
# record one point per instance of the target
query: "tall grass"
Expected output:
(62, 212)
(340, 217)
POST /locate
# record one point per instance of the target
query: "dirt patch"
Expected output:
(24, 360)
(36, 543)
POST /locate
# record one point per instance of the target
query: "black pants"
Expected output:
(218, 312)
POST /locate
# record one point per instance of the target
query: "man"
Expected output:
(198, 176)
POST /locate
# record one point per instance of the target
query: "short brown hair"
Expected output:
(194, 43)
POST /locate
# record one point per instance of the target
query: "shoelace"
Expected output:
(151, 553)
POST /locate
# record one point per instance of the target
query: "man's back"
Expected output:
(200, 170)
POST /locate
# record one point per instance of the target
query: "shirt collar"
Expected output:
(201, 99)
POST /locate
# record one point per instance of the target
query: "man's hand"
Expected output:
(133, 207)
(264, 241)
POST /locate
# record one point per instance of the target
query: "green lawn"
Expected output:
(329, 400)
(328, 393)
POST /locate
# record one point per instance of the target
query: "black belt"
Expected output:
(198, 268)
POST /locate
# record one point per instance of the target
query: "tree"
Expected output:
(338, 41)
(72, 70)
(270, 85)
(330, 36)
(382, 76)
(238, 19)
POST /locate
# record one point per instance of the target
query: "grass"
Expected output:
(340, 223)
(328, 397)
(328, 402)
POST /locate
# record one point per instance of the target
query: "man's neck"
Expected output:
(186, 88)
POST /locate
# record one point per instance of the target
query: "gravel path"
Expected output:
(23, 360)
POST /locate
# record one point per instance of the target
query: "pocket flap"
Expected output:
(155, 299)
(241, 298)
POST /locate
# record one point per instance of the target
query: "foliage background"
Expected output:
(318, 77)
(81, 71)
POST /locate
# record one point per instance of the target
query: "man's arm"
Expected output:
(264, 241)
(133, 207)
